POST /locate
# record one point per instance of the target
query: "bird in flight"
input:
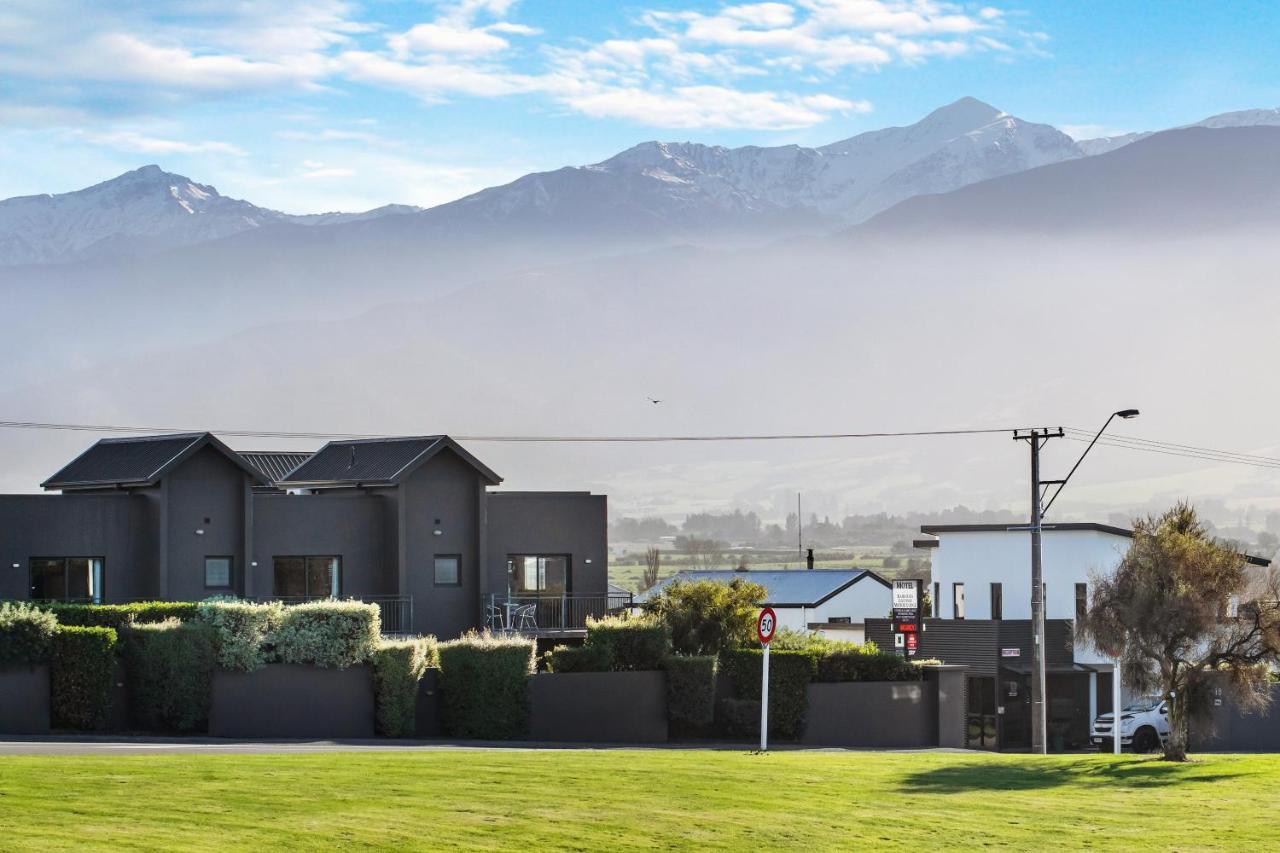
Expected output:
(651, 400)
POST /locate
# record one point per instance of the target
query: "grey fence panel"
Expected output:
(902, 714)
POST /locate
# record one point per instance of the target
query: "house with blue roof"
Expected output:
(833, 603)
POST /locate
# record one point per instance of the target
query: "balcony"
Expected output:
(551, 614)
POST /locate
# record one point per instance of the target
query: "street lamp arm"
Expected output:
(1125, 413)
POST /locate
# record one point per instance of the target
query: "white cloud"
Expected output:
(710, 106)
(127, 140)
(441, 38)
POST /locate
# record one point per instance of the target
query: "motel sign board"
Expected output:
(906, 617)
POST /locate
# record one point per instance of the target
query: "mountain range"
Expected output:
(654, 193)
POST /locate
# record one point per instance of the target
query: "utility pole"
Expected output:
(799, 528)
(1039, 721)
(1036, 438)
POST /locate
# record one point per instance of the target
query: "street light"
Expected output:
(1036, 439)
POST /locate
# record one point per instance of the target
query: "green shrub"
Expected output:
(691, 694)
(708, 617)
(243, 633)
(26, 635)
(334, 634)
(586, 658)
(398, 666)
(740, 717)
(789, 675)
(485, 685)
(848, 665)
(121, 615)
(81, 673)
(789, 639)
(169, 670)
(633, 643)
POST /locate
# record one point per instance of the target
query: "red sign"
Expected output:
(911, 643)
(766, 625)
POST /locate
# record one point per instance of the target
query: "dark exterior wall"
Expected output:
(1229, 730)
(976, 643)
(873, 714)
(573, 523)
(347, 525)
(448, 489)
(115, 527)
(208, 485)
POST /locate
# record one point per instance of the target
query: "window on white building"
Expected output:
(957, 600)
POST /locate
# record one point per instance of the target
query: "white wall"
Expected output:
(979, 558)
(866, 599)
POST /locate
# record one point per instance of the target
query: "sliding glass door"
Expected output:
(307, 577)
(66, 579)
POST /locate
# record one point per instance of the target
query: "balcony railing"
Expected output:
(542, 614)
(396, 611)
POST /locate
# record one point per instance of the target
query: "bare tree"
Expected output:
(652, 565)
(1182, 607)
(705, 553)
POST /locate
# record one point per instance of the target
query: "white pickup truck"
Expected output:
(1144, 726)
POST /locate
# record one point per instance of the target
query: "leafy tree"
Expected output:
(708, 617)
(1180, 607)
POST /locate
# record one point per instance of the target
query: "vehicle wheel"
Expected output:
(1145, 740)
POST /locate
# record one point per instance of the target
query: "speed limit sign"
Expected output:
(766, 625)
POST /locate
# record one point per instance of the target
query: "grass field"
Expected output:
(637, 799)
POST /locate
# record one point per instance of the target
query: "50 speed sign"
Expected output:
(766, 625)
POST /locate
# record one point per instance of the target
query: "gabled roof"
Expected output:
(783, 587)
(274, 465)
(376, 462)
(138, 461)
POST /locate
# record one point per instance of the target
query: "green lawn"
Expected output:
(660, 799)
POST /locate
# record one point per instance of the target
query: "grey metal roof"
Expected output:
(379, 461)
(274, 465)
(136, 460)
(783, 587)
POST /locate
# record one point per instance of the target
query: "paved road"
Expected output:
(57, 745)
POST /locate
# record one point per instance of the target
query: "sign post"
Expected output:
(766, 625)
(906, 617)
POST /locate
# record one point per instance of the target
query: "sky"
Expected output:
(316, 105)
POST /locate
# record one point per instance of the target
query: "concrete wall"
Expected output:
(447, 489)
(599, 707)
(879, 714)
(573, 523)
(347, 525)
(207, 492)
(292, 701)
(24, 700)
(114, 527)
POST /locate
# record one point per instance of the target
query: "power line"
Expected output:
(1143, 445)
(243, 433)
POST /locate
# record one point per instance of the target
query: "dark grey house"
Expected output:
(408, 523)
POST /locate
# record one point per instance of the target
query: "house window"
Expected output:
(308, 577)
(937, 599)
(539, 573)
(448, 570)
(997, 601)
(1082, 600)
(217, 572)
(66, 579)
(957, 600)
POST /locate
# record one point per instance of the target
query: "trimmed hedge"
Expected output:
(586, 658)
(26, 635)
(633, 643)
(398, 666)
(334, 634)
(485, 685)
(121, 615)
(740, 717)
(243, 633)
(169, 671)
(81, 671)
(691, 694)
(861, 666)
(789, 675)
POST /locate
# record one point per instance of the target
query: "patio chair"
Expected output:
(525, 618)
(494, 620)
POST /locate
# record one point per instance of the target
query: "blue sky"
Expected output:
(310, 105)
